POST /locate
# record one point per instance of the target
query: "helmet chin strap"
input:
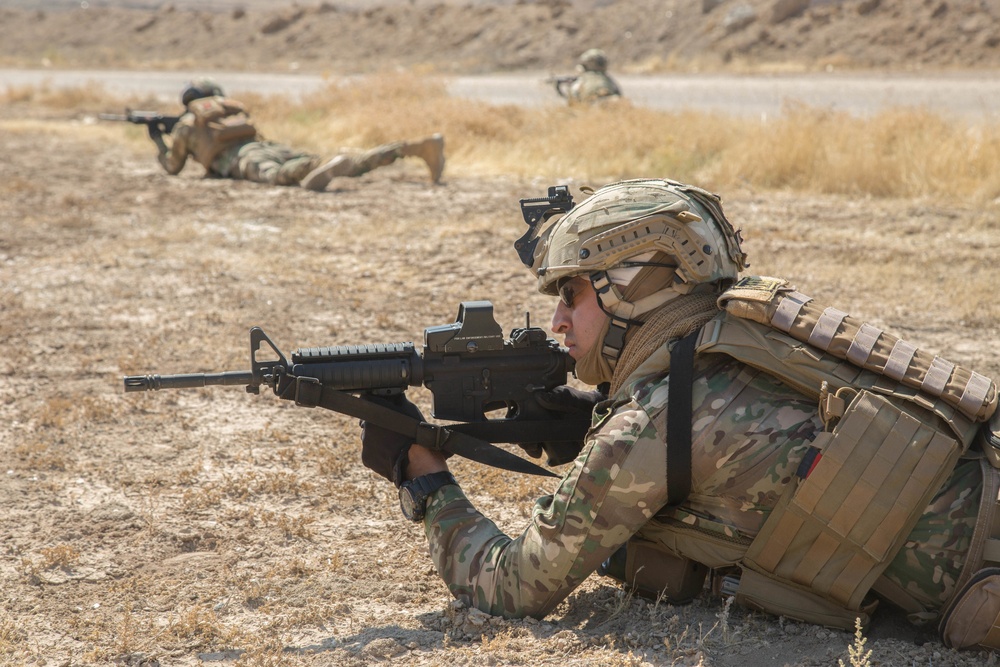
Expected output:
(607, 293)
(621, 312)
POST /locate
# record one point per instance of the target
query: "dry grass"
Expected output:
(896, 153)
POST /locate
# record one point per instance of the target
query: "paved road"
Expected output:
(975, 96)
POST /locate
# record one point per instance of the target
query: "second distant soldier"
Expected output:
(592, 84)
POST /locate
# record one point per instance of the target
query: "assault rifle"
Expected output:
(560, 81)
(156, 123)
(471, 370)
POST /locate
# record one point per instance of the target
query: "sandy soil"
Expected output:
(210, 526)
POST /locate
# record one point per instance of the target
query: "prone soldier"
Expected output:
(814, 464)
(217, 132)
(592, 83)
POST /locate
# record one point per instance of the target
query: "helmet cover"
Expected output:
(633, 218)
(594, 60)
(199, 88)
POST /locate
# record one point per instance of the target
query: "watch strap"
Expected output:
(428, 484)
(413, 494)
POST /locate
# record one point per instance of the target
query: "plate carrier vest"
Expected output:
(220, 122)
(897, 420)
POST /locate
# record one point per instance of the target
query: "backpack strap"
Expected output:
(679, 414)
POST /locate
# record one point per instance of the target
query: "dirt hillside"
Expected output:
(493, 35)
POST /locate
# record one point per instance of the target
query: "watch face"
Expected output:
(408, 504)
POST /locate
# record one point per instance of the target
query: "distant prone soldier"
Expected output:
(218, 133)
(592, 84)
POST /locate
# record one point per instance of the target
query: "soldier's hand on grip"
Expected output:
(563, 402)
(384, 451)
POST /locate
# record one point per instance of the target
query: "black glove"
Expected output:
(564, 402)
(385, 451)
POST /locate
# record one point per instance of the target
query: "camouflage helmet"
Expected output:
(641, 218)
(594, 60)
(199, 88)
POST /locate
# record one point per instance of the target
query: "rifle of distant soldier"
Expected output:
(560, 81)
(156, 123)
(468, 366)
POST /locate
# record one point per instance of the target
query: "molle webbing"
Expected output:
(880, 467)
(222, 123)
(773, 302)
(900, 419)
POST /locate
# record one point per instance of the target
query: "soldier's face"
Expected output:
(578, 316)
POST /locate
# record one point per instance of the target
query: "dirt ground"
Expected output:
(209, 526)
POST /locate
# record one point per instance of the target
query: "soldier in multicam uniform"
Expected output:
(217, 132)
(639, 267)
(592, 84)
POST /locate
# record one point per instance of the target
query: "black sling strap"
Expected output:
(679, 414)
(309, 392)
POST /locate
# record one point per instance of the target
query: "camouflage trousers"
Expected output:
(276, 164)
(930, 563)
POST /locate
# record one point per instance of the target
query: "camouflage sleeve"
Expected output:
(614, 487)
(173, 158)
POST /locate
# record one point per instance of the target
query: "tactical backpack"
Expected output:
(897, 418)
(221, 122)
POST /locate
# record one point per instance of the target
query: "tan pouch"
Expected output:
(657, 573)
(973, 619)
(226, 122)
(835, 531)
(763, 593)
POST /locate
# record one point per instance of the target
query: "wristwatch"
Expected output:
(413, 494)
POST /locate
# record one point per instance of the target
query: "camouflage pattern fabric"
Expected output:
(929, 564)
(182, 145)
(361, 162)
(749, 434)
(592, 87)
(265, 161)
(269, 162)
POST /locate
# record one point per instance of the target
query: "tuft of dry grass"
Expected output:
(40, 455)
(856, 652)
(60, 556)
(896, 153)
(10, 636)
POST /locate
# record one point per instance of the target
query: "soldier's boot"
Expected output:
(320, 177)
(431, 151)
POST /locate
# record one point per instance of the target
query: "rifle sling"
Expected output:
(679, 413)
(310, 392)
(518, 431)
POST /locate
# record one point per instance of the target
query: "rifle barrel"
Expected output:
(185, 381)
